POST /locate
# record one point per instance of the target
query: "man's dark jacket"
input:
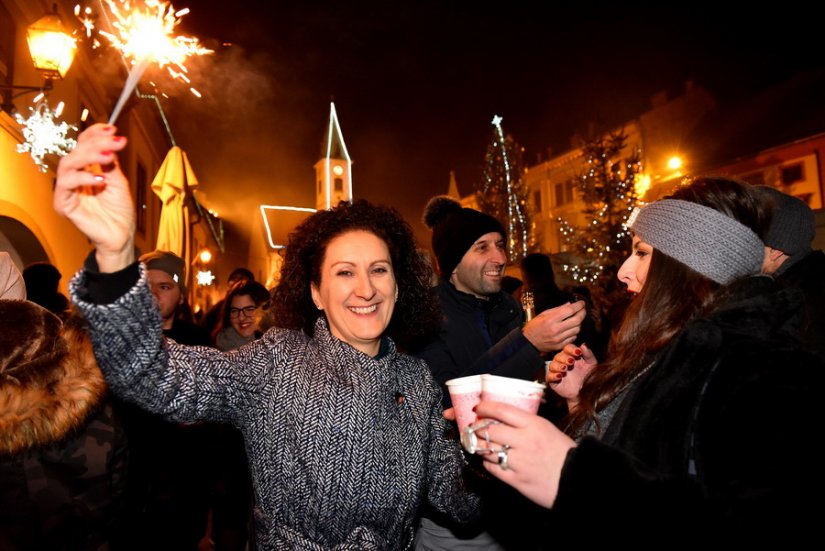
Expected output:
(479, 336)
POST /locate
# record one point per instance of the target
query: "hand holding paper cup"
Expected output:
(522, 394)
(465, 393)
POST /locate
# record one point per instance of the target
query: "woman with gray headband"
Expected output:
(702, 421)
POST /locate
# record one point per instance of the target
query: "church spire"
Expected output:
(333, 170)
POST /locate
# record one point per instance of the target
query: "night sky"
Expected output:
(416, 85)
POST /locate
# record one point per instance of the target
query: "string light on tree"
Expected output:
(43, 135)
(608, 188)
(503, 192)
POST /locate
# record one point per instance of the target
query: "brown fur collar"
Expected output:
(49, 379)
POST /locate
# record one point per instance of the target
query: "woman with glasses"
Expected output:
(232, 489)
(344, 434)
(242, 310)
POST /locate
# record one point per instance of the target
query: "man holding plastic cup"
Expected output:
(483, 331)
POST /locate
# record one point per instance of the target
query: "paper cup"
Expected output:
(525, 395)
(465, 393)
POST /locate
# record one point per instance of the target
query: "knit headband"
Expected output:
(704, 239)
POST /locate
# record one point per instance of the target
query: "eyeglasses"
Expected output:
(248, 311)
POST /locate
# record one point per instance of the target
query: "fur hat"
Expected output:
(455, 229)
(792, 227)
(168, 262)
(49, 380)
(12, 286)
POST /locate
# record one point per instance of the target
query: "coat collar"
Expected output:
(337, 347)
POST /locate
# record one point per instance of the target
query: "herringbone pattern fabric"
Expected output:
(336, 461)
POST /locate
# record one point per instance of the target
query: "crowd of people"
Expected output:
(315, 415)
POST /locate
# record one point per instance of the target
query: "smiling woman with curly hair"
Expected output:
(344, 434)
(416, 311)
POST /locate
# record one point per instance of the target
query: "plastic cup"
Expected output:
(465, 393)
(526, 395)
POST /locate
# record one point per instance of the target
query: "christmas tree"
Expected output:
(503, 192)
(607, 187)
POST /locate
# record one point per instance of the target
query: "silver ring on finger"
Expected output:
(504, 458)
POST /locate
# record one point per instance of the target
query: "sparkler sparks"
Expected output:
(144, 34)
(147, 32)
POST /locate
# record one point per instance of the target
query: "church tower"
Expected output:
(333, 171)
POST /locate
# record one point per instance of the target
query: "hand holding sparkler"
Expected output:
(99, 201)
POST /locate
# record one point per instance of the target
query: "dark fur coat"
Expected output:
(717, 442)
(62, 456)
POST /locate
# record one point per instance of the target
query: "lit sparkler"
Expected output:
(144, 34)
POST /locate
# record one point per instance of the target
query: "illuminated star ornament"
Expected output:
(43, 135)
(205, 277)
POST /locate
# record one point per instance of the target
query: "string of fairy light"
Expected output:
(594, 250)
(514, 209)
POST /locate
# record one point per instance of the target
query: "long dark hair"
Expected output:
(416, 311)
(672, 295)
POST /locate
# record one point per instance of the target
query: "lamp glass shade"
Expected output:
(51, 47)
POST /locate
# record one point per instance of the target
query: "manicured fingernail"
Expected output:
(108, 128)
(570, 361)
(578, 352)
(98, 178)
(118, 138)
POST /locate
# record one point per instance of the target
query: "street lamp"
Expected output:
(52, 51)
(51, 47)
(205, 256)
(675, 162)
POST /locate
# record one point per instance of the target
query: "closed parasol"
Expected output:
(174, 184)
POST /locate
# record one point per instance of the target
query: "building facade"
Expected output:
(333, 184)
(666, 138)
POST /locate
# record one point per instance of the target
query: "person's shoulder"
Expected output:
(279, 336)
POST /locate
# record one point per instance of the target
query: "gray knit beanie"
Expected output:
(702, 238)
(168, 262)
(793, 227)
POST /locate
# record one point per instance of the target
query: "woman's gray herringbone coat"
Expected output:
(337, 462)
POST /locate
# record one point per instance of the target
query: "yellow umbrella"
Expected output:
(173, 183)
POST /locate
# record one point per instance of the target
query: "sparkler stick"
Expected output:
(131, 81)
